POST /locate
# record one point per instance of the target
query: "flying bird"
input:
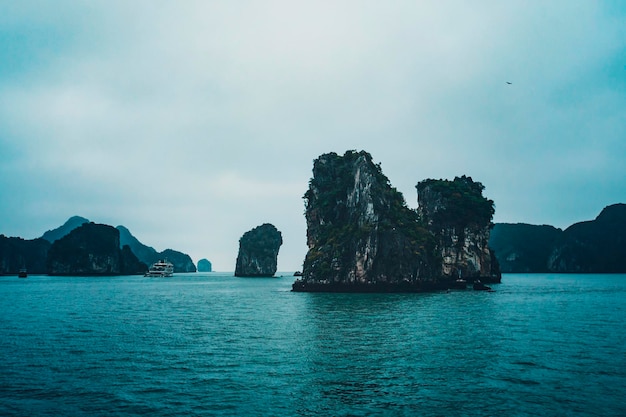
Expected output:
(509, 83)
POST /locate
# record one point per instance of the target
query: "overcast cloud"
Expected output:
(191, 122)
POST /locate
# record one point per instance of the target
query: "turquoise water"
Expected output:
(215, 345)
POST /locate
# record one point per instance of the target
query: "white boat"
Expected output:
(161, 269)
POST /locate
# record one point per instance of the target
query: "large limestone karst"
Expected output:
(92, 249)
(360, 233)
(362, 236)
(258, 252)
(459, 216)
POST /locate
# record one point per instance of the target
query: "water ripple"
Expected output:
(211, 344)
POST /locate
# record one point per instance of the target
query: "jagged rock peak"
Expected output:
(360, 233)
(459, 216)
(71, 224)
(258, 252)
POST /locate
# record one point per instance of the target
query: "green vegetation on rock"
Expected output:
(459, 202)
(258, 252)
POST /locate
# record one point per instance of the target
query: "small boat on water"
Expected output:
(22, 273)
(161, 269)
(479, 286)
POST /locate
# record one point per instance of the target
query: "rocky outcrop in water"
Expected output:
(360, 233)
(459, 216)
(362, 236)
(204, 265)
(595, 246)
(258, 252)
(92, 249)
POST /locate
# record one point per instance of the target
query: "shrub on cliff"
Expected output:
(459, 202)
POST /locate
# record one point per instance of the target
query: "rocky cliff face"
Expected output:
(360, 233)
(258, 252)
(363, 237)
(92, 249)
(460, 218)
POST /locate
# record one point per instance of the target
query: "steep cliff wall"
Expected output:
(460, 218)
(360, 233)
(258, 252)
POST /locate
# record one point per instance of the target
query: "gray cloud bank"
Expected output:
(192, 122)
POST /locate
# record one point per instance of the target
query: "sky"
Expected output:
(192, 122)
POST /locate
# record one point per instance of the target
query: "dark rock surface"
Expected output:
(33, 253)
(360, 233)
(130, 264)
(204, 265)
(17, 253)
(523, 247)
(363, 238)
(459, 216)
(92, 249)
(181, 261)
(146, 254)
(595, 246)
(258, 252)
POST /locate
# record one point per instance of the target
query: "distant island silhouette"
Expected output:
(594, 246)
(34, 255)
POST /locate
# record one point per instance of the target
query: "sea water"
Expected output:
(215, 345)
